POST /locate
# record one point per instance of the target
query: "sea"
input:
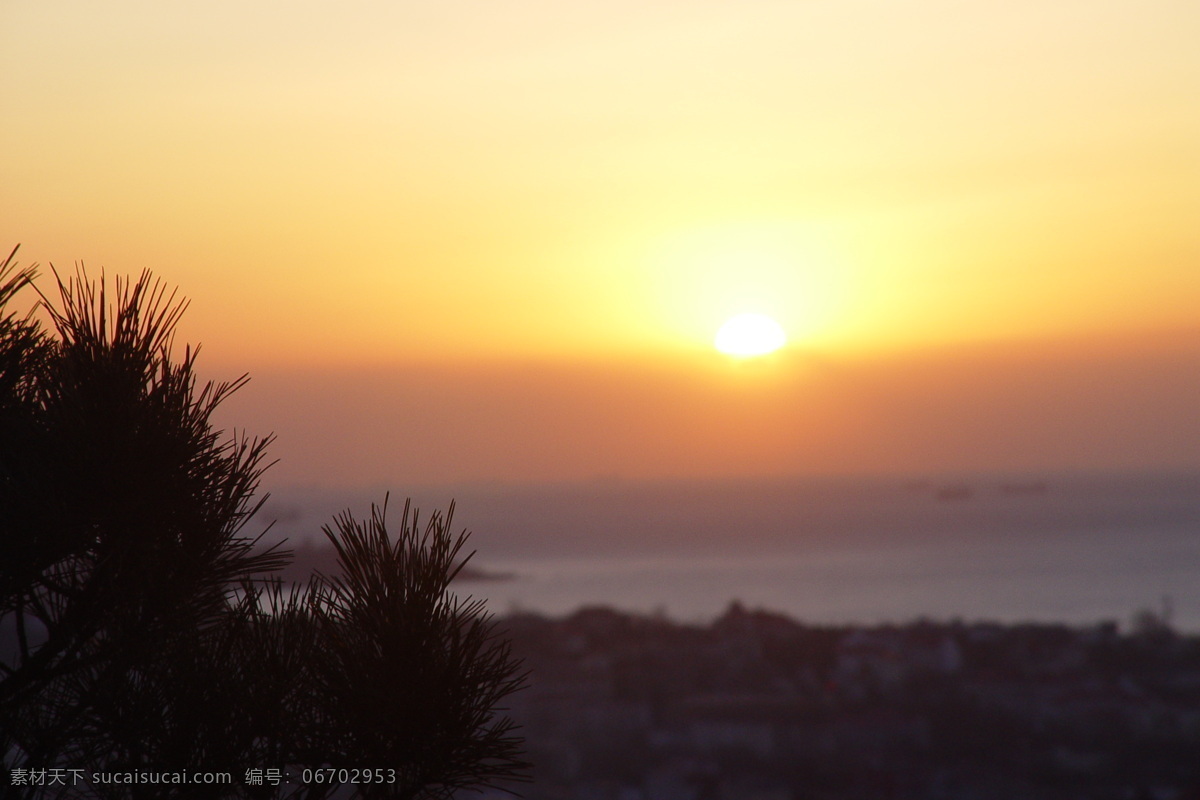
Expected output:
(1079, 548)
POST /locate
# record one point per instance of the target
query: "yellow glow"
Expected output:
(546, 180)
(750, 335)
(793, 271)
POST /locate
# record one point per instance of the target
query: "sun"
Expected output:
(750, 335)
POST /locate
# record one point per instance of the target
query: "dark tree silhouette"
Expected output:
(402, 666)
(140, 630)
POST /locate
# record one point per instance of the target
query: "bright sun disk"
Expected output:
(750, 335)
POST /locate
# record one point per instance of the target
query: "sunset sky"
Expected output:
(493, 241)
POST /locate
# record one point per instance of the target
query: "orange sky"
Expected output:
(1021, 408)
(508, 232)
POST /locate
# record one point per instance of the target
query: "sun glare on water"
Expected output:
(750, 335)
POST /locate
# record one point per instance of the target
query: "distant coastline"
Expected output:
(308, 559)
(1075, 547)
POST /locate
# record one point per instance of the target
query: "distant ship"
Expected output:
(955, 492)
(1034, 487)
